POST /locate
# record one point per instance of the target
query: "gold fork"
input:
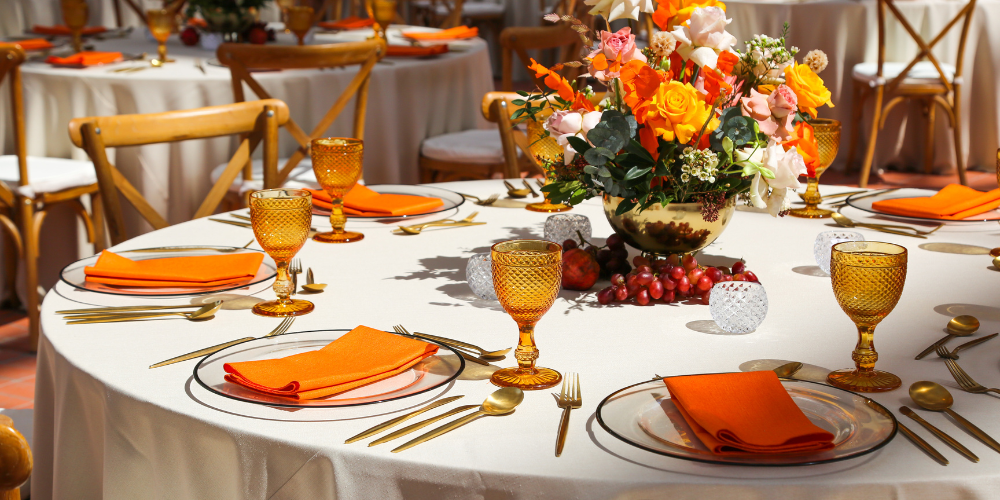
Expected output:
(965, 381)
(417, 228)
(282, 328)
(569, 399)
(491, 199)
(468, 357)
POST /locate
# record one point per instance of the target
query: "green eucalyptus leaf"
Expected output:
(625, 206)
(579, 145)
(636, 172)
(593, 156)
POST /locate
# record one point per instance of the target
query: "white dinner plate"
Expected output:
(862, 202)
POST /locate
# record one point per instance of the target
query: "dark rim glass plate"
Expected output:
(73, 274)
(864, 203)
(643, 416)
(433, 372)
(451, 200)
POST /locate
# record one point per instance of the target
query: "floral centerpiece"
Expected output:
(232, 19)
(687, 126)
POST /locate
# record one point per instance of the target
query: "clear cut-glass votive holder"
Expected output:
(825, 242)
(479, 273)
(738, 306)
(562, 227)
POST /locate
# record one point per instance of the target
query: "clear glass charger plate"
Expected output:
(643, 416)
(74, 276)
(432, 372)
(451, 201)
(862, 201)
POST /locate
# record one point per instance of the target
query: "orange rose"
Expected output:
(676, 112)
(804, 141)
(808, 87)
(553, 80)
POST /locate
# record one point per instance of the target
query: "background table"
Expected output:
(847, 30)
(106, 425)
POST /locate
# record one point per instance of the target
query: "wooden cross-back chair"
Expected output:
(256, 121)
(240, 58)
(520, 39)
(932, 82)
(29, 187)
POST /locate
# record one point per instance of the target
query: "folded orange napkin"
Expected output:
(31, 44)
(64, 30)
(200, 271)
(363, 201)
(745, 412)
(362, 356)
(86, 58)
(954, 202)
(411, 51)
(455, 33)
(347, 23)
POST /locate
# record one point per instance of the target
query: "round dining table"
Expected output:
(109, 426)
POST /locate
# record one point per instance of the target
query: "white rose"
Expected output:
(704, 36)
(786, 166)
(620, 9)
(565, 124)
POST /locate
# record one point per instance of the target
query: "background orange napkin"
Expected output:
(363, 201)
(30, 44)
(63, 30)
(362, 356)
(347, 23)
(455, 33)
(954, 202)
(411, 51)
(86, 58)
(206, 270)
(745, 412)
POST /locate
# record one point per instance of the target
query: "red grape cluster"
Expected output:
(669, 280)
(613, 257)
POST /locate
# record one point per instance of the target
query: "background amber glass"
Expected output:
(281, 219)
(161, 23)
(868, 278)
(299, 21)
(338, 164)
(526, 276)
(383, 12)
(827, 134)
(75, 14)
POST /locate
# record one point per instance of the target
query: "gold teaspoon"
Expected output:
(959, 326)
(501, 402)
(934, 397)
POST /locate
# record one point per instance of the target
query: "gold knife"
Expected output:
(398, 420)
(420, 425)
(450, 426)
(125, 308)
(231, 222)
(202, 352)
(919, 441)
(975, 431)
(940, 434)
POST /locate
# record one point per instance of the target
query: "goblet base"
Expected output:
(535, 378)
(858, 381)
(545, 206)
(810, 213)
(276, 309)
(332, 237)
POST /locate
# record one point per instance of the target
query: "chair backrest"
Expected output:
(240, 58)
(925, 52)
(16, 462)
(520, 39)
(10, 64)
(256, 121)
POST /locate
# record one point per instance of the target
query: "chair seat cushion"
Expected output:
(47, 175)
(923, 72)
(302, 176)
(469, 146)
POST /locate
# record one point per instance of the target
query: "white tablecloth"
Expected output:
(408, 101)
(108, 426)
(847, 30)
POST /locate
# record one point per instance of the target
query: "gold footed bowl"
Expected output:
(828, 139)
(675, 228)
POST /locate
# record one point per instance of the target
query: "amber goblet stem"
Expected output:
(526, 353)
(283, 286)
(864, 354)
(337, 218)
(812, 196)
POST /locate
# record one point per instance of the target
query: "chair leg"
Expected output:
(957, 132)
(30, 242)
(11, 256)
(97, 217)
(929, 106)
(859, 107)
(872, 137)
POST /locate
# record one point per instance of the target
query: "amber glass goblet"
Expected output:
(299, 21)
(828, 139)
(161, 23)
(868, 278)
(75, 14)
(337, 163)
(546, 150)
(281, 220)
(384, 14)
(526, 276)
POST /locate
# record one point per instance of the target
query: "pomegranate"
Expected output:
(580, 269)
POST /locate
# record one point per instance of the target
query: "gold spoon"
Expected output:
(935, 397)
(788, 369)
(205, 312)
(310, 286)
(513, 192)
(959, 326)
(996, 262)
(156, 63)
(501, 402)
(844, 221)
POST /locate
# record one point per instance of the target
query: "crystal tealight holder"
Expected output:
(738, 306)
(826, 240)
(479, 273)
(562, 227)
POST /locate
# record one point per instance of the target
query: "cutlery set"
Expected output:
(417, 228)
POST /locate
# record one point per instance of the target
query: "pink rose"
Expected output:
(756, 107)
(782, 101)
(615, 46)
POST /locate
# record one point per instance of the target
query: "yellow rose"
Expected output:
(676, 112)
(808, 87)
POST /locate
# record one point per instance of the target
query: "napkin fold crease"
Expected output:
(361, 200)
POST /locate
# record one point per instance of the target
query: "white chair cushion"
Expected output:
(469, 146)
(302, 176)
(922, 72)
(47, 175)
